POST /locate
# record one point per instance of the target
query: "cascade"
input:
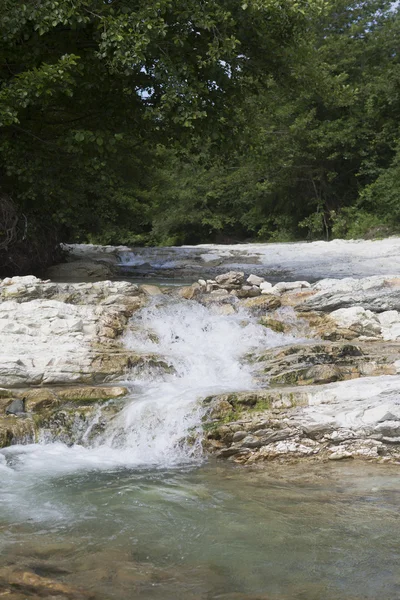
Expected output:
(205, 350)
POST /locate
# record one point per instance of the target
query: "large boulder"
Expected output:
(377, 294)
(59, 333)
(348, 419)
(80, 270)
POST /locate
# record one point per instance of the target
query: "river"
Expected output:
(140, 513)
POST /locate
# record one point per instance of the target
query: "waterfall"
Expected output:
(205, 349)
(206, 352)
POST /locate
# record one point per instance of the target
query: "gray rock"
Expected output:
(376, 293)
(16, 407)
(247, 291)
(233, 278)
(239, 436)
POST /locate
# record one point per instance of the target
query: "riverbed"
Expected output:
(209, 531)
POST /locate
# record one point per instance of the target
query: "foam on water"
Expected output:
(205, 351)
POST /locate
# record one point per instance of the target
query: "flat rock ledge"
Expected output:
(71, 415)
(63, 334)
(332, 393)
(350, 419)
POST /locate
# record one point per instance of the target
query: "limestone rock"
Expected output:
(51, 332)
(190, 291)
(262, 303)
(247, 291)
(150, 290)
(255, 280)
(377, 293)
(363, 322)
(266, 288)
(358, 418)
(231, 279)
(286, 286)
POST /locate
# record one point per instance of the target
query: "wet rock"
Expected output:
(263, 303)
(223, 309)
(16, 431)
(274, 324)
(27, 582)
(60, 413)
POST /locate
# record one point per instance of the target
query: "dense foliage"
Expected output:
(176, 121)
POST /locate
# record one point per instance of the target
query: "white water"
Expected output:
(206, 351)
(300, 260)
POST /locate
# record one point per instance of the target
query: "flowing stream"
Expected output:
(138, 512)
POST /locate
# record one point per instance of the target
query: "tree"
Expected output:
(89, 89)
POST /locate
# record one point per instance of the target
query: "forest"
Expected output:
(168, 122)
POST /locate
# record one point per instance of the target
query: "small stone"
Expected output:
(262, 303)
(340, 455)
(150, 290)
(255, 280)
(286, 286)
(190, 292)
(266, 287)
(17, 407)
(232, 278)
(238, 436)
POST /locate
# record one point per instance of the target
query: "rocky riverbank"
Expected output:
(329, 388)
(333, 395)
(61, 350)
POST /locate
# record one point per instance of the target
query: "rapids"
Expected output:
(204, 350)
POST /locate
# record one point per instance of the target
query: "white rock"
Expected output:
(356, 317)
(287, 286)
(266, 287)
(255, 280)
(389, 318)
(379, 414)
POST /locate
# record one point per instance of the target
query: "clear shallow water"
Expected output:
(211, 532)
